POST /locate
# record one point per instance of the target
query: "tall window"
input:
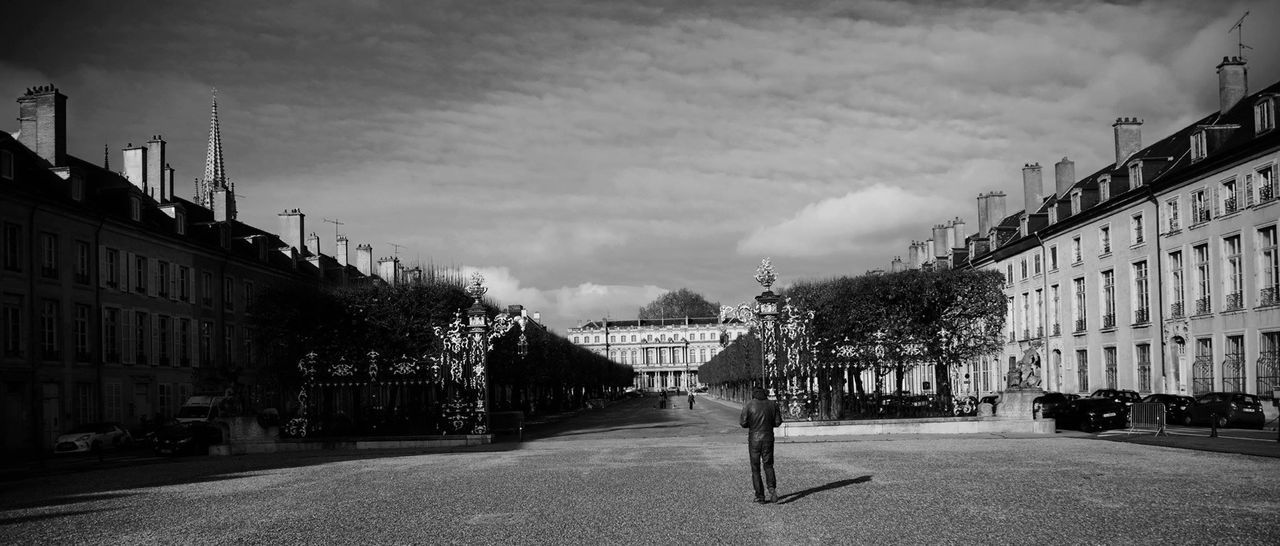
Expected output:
(162, 279)
(206, 343)
(1053, 257)
(1141, 299)
(49, 329)
(1264, 116)
(184, 283)
(1036, 268)
(1198, 149)
(82, 262)
(1204, 292)
(1233, 366)
(81, 332)
(164, 335)
(140, 322)
(1268, 267)
(1171, 210)
(1104, 239)
(113, 402)
(184, 342)
(1199, 207)
(1142, 353)
(1109, 361)
(1078, 311)
(1108, 298)
(1269, 363)
(1024, 268)
(229, 294)
(1077, 255)
(111, 261)
(1202, 367)
(13, 244)
(248, 296)
(1233, 273)
(140, 274)
(1265, 183)
(1037, 311)
(48, 255)
(229, 344)
(1054, 311)
(1138, 229)
(1176, 304)
(1229, 196)
(11, 314)
(111, 334)
(206, 289)
(1082, 370)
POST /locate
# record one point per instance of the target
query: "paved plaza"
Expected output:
(633, 474)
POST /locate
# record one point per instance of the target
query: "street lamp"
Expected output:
(767, 314)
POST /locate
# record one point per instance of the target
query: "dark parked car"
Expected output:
(1092, 414)
(1048, 405)
(187, 438)
(1124, 396)
(1176, 407)
(1229, 409)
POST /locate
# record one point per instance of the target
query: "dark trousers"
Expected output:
(761, 452)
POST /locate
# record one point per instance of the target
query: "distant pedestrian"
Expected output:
(690, 400)
(662, 400)
(760, 416)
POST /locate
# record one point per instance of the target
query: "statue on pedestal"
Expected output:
(1026, 375)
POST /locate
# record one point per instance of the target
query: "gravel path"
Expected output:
(633, 474)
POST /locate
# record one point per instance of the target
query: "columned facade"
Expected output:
(664, 352)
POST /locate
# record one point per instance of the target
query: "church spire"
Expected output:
(215, 173)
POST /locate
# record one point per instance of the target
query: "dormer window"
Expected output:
(180, 222)
(1264, 115)
(1053, 215)
(1135, 175)
(6, 164)
(135, 208)
(1075, 201)
(1198, 150)
(1104, 189)
(77, 188)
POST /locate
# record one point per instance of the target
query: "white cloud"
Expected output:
(567, 305)
(842, 225)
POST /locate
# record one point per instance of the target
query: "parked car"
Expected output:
(1177, 408)
(1230, 409)
(1124, 396)
(93, 437)
(1092, 414)
(190, 437)
(1049, 404)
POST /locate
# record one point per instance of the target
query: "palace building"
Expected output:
(664, 352)
(1158, 272)
(118, 298)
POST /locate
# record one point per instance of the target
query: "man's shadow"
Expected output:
(792, 497)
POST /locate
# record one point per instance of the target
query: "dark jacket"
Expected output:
(760, 417)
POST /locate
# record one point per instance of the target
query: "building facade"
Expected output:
(664, 352)
(119, 299)
(1156, 273)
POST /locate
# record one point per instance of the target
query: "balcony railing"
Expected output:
(1039, 332)
(1057, 329)
(1142, 316)
(1235, 301)
(1267, 296)
(1203, 306)
(1266, 192)
(1229, 205)
(1174, 224)
(1109, 321)
(1176, 310)
(1026, 334)
(1137, 239)
(1106, 247)
(1081, 324)
(1200, 216)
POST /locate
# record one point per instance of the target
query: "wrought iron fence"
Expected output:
(1109, 320)
(1142, 316)
(1234, 301)
(1267, 296)
(1081, 325)
(1176, 310)
(1203, 306)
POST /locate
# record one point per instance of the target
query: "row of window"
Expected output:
(173, 341)
(661, 338)
(1024, 313)
(660, 356)
(1206, 373)
(84, 401)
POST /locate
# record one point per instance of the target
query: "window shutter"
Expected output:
(102, 267)
(1248, 190)
(126, 350)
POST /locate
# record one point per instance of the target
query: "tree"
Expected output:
(678, 304)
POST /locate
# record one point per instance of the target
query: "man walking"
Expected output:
(690, 400)
(759, 417)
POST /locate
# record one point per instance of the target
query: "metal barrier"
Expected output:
(1147, 418)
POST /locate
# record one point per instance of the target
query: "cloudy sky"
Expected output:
(588, 155)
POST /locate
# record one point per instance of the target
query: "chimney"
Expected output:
(995, 208)
(313, 244)
(1233, 83)
(958, 224)
(984, 215)
(951, 237)
(1064, 176)
(940, 247)
(388, 269)
(42, 116)
(224, 205)
(1128, 138)
(913, 254)
(341, 253)
(292, 223)
(1032, 187)
(168, 182)
(896, 265)
(135, 166)
(364, 259)
(155, 169)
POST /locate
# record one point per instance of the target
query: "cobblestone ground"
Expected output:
(635, 474)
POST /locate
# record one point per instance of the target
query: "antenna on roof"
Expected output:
(1239, 26)
(335, 227)
(397, 247)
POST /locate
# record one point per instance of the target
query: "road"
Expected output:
(632, 474)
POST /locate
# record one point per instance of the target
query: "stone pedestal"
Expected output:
(1017, 402)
